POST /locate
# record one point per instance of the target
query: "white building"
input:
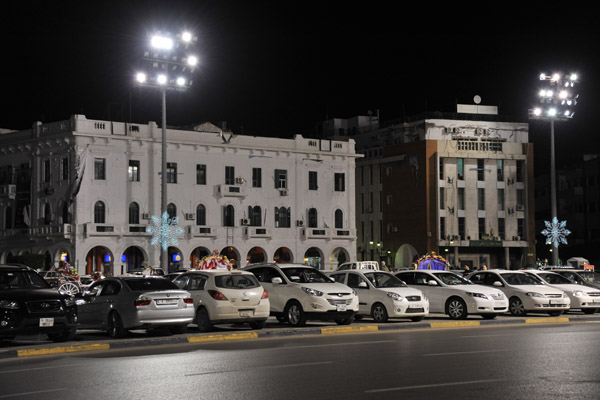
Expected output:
(250, 198)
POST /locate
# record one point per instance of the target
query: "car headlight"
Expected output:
(480, 295)
(9, 304)
(534, 294)
(578, 293)
(354, 293)
(69, 301)
(312, 292)
(395, 296)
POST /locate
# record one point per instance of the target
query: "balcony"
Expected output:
(343, 234)
(230, 191)
(315, 233)
(64, 230)
(201, 231)
(257, 232)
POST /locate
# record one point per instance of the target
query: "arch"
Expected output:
(283, 255)
(232, 254)
(405, 255)
(338, 219)
(314, 257)
(228, 215)
(197, 254)
(312, 218)
(134, 213)
(99, 212)
(174, 260)
(133, 257)
(338, 256)
(200, 215)
(256, 255)
(100, 259)
(171, 210)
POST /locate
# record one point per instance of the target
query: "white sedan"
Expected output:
(381, 295)
(451, 294)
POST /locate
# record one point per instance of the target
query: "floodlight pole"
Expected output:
(553, 187)
(164, 256)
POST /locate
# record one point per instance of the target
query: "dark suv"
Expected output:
(28, 305)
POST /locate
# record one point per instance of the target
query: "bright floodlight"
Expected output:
(573, 77)
(162, 79)
(180, 81)
(542, 77)
(192, 60)
(542, 93)
(537, 111)
(161, 42)
(563, 94)
(141, 77)
(556, 77)
(186, 37)
(552, 112)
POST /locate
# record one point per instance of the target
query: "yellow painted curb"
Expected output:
(544, 320)
(453, 324)
(215, 338)
(65, 349)
(349, 329)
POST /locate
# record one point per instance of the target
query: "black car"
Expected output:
(28, 305)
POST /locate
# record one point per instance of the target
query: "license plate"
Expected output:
(163, 302)
(247, 313)
(341, 307)
(46, 321)
(556, 302)
(596, 301)
(414, 306)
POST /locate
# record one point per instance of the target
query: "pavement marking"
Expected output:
(349, 329)
(63, 349)
(544, 320)
(262, 367)
(432, 385)
(5, 396)
(334, 344)
(38, 368)
(463, 352)
(214, 338)
(453, 324)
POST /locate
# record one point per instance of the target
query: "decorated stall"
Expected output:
(214, 261)
(432, 261)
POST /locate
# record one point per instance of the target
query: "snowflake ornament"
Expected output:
(556, 232)
(164, 231)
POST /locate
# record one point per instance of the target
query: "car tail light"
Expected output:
(217, 295)
(142, 301)
(188, 300)
(265, 294)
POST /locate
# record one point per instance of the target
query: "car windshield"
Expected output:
(520, 279)
(448, 278)
(590, 277)
(383, 280)
(148, 284)
(555, 279)
(21, 280)
(236, 281)
(305, 275)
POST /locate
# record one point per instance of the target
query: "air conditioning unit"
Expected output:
(299, 222)
(283, 192)
(449, 130)
(189, 216)
(517, 238)
(245, 221)
(520, 207)
(240, 180)
(145, 216)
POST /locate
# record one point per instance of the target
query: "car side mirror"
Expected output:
(331, 279)
(363, 285)
(432, 283)
(498, 284)
(276, 281)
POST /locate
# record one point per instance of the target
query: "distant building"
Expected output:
(85, 191)
(459, 184)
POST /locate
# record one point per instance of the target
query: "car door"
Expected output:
(277, 292)
(435, 294)
(364, 292)
(100, 304)
(85, 316)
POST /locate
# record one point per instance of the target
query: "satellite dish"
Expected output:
(477, 99)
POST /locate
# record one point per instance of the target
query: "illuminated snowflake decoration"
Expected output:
(164, 231)
(556, 232)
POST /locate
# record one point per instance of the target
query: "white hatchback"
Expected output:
(454, 295)
(381, 295)
(525, 293)
(299, 293)
(222, 296)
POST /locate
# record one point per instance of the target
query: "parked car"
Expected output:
(580, 276)
(298, 293)
(452, 294)
(28, 305)
(359, 265)
(584, 298)
(222, 296)
(524, 292)
(382, 295)
(119, 304)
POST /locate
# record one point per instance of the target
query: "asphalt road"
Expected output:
(558, 361)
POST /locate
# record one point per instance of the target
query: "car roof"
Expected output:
(280, 265)
(217, 272)
(16, 267)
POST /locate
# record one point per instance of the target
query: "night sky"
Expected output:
(276, 68)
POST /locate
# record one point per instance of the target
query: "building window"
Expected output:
(228, 215)
(461, 227)
(99, 169)
(283, 217)
(441, 170)
(47, 214)
(480, 170)
(171, 172)
(500, 170)
(201, 215)
(442, 228)
(501, 228)
(134, 213)
(312, 180)
(99, 213)
(200, 174)
(254, 214)
(442, 198)
(134, 171)
(461, 198)
(256, 177)
(500, 199)
(521, 228)
(481, 199)
(280, 179)
(172, 210)
(339, 219)
(64, 168)
(520, 165)
(340, 182)
(312, 218)
(481, 228)
(460, 168)
(229, 175)
(520, 197)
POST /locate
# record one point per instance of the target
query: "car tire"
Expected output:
(64, 336)
(178, 330)
(295, 314)
(379, 313)
(589, 310)
(416, 319)
(258, 324)
(516, 308)
(203, 320)
(489, 316)
(456, 308)
(114, 327)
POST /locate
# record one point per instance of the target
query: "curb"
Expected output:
(266, 334)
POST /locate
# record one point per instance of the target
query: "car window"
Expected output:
(408, 277)
(305, 275)
(236, 281)
(21, 280)
(148, 284)
(520, 279)
(354, 280)
(451, 279)
(339, 278)
(344, 267)
(383, 280)
(590, 277)
(95, 288)
(555, 279)
(422, 279)
(571, 276)
(478, 279)
(181, 281)
(110, 289)
(197, 282)
(265, 274)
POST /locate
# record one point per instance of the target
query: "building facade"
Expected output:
(85, 191)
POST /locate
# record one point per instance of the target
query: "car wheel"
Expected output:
(516, 307)
(295, 314)
(379, 313)
(115, 326)
(178, 330)
(258, 324)
(416, 319)
(456, 308)
(64, 336)
(69, 288)
(555, 313)
(589, 310)
(345, 321)
(203, 320)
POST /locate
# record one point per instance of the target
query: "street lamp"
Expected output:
(168, 64)
(556, 103)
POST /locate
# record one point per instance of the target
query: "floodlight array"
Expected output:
(556, 97)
